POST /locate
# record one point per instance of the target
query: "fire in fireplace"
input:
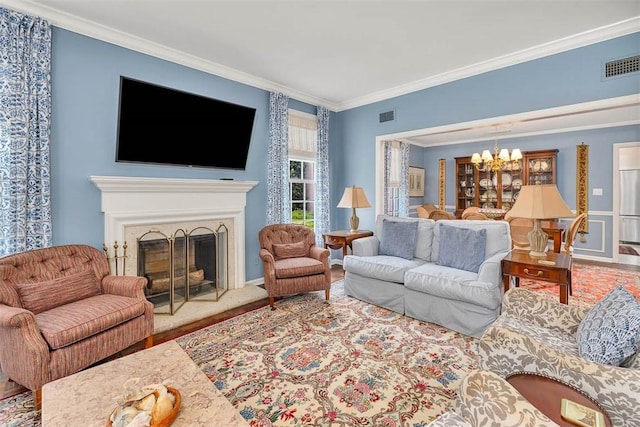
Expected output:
(185, 266)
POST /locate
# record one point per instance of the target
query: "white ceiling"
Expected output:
(341, 53)
(347, 53)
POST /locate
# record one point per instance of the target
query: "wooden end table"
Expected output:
(343, 238)
(555, 268)
(546, 393)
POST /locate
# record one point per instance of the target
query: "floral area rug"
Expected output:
(589, 283)
(341, 364)
(346, 363)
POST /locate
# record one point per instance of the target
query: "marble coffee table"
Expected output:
(88, 397)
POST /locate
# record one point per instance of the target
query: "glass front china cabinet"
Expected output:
(500, 189)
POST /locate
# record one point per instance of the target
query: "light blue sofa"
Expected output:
(422, 288)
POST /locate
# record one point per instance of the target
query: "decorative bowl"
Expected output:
(169, 417)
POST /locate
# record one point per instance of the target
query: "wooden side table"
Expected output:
(546, 393)
(343, 238)
(555, 268)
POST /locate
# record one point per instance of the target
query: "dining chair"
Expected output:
(473, 212)
(425, 210)
(573, 233)
(441, 214)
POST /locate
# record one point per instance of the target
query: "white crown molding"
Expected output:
(596, 35)
(119, 38)
(129, 41)
(559, 113)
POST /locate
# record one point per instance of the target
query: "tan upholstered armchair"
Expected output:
(538, 334)
(292, 262)
(62, 311)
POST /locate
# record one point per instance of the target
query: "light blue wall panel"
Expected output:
(562, 79)
(85, 83)
(85, 76)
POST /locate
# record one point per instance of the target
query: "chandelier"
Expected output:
(500, 160)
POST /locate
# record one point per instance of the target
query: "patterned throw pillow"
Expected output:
(398, 238)
(462, 248)
(42, 296)
(610, 332)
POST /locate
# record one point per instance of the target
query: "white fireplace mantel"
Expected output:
(136, 201)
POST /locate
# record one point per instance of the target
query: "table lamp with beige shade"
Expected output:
(354, 197)
(538, 202)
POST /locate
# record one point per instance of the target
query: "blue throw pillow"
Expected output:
(610, 332)
(398, 238)
(461, 248)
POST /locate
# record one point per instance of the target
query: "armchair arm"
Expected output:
(542, 311)
(490, 270)
(365, 246)
(321, 254)
(487, 399)
(268, 264)
(24, 352)
(126, 286)
(505, 351)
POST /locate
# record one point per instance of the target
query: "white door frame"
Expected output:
(617, 257)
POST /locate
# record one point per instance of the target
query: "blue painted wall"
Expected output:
(562, 79)
(85, 88)
(85, 78)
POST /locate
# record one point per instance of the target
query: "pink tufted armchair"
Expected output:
(62, 311)
(292, 262)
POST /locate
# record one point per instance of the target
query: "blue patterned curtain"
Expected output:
(404, 179)
(278, 211)
(396, 178)
(25, 111)
(390, 186)
(322, 218)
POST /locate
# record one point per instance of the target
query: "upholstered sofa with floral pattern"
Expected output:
(485, 399)
(61, 311)
(536, 333)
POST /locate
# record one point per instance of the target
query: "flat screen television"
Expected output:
(166, 126)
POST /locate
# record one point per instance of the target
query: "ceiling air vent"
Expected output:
(622, 66)
(387, 116)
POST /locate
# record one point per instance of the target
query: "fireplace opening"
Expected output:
(186, 266)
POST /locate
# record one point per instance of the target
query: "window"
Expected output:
(303, 131)
(301, 174)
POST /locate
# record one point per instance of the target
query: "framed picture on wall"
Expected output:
(416, 182)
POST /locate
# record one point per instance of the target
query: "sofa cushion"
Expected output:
(297, 267)
(557, 339)
(424, 238)
(42, 296)
(398, 238)
(498, 235)
(290, 250)
(453, 284)
(66, 324)
(610, 332)
(381, 267)
(462, 248)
